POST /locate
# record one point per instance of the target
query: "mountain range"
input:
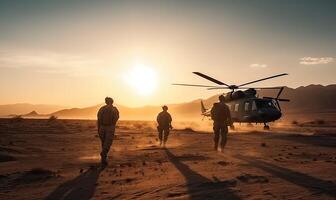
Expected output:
(305, 101)
(24, 108)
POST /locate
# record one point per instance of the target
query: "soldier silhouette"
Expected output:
(164, 120)
(220, 114)
(107, 116)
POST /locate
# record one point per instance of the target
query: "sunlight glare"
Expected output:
(143, 79)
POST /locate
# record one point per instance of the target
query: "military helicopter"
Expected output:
(246, 106)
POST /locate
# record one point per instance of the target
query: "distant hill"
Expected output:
(313, 101)
(311, 98)
(32, 114)
(24, 108)
(141, 113)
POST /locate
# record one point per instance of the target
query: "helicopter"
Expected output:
(245, 106)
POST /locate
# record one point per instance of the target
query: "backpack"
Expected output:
(219, 113)
(164, 119)
(107, 116)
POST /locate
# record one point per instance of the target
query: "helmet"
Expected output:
(108, 100)
(221, 98)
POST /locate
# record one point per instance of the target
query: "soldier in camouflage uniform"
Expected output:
(108, 116)
(221, 116)
(164, 120)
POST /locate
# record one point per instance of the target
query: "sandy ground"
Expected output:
(58, 160)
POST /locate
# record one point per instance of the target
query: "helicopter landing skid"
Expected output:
(266, 126)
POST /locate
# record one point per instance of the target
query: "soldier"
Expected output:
(108, 116)
(221, 116)
(164, 125)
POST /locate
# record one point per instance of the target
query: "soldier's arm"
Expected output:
(117, 114)
(170, 118)
(170, 121)
(212, 112)
(158, 118)
(99, 118)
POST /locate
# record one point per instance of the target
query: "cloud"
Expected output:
(49, 62)
(258, 65)
(316, 61)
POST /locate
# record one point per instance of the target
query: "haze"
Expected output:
(74, 53)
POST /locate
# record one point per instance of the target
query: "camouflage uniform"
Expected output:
(221, 116)
(108, 116)
(164, 120)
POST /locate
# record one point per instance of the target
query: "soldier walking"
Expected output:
(221, 116)
(108, 116)
(164, 120)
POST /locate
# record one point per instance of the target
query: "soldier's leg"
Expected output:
(216, 136)
(108, 139)
(160, 130)
(224, 132)
(101, 136)
(166, 134)
(102, 139)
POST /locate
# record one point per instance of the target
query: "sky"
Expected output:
(75, 53)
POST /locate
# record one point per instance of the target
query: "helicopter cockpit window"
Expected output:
(247, 105)
(264, 104)
(254, 106)
(236, 107)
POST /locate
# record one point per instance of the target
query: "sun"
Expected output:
(143, 79)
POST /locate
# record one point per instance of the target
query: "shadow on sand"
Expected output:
(317, 140)
(309, 182)
(81, 187)
(200, 187)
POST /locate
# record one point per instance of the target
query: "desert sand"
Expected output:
(58, 159)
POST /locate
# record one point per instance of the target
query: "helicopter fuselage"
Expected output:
(253, 110)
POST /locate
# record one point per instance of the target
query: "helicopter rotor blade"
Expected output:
(278, 104)
(192, 85)
(218, 88)
(279, 93)
(210, 78)
(262, 79)
(275, 100)
(258, 88)
(287, 100)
